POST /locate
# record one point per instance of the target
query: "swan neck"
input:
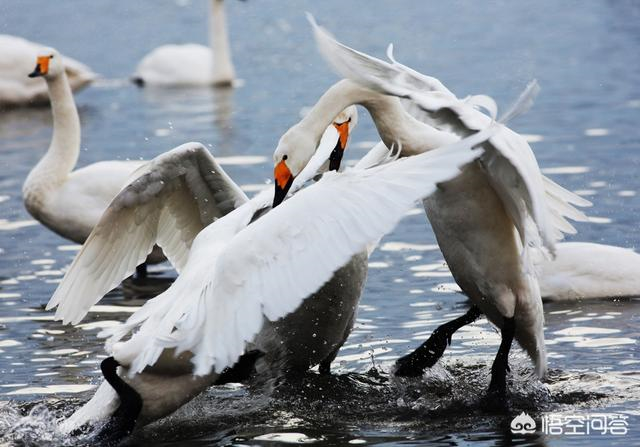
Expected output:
(223, 71)
(63, 152)
(394, 124)
(338, 97)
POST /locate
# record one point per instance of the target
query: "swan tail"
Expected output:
(97, 410)
(529, 319)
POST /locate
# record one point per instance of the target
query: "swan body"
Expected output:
(191, 64)
(18, 56)
(69, 202)
(583, 270)
(488, 219)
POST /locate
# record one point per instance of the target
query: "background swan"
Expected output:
(16, 63)
(192, 64)
(486, 221)
(583, 270)
(69, 202)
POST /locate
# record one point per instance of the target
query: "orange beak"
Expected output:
(336, 155)
(42, 67)
(343, 131)
(283, 179)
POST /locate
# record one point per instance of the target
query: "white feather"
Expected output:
(174, 197)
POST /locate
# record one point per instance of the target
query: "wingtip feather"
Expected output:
(390, 53)
(312, 20)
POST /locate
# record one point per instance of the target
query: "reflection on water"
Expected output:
(583, 129)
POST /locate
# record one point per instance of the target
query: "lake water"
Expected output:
(583, 129)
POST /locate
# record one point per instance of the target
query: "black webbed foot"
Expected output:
(428, 354)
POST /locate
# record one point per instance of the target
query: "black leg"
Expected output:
(141, 271)
(500, 365)
(324, 367)
(430, 351)
(124, 419)
(241, 370)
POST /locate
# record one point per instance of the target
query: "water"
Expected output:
(583, 128)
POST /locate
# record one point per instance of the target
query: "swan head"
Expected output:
(48, 64)
(297, 146)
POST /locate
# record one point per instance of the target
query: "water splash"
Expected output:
(38, 427)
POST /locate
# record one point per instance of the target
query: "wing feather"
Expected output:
(508, 159)
(172, 199)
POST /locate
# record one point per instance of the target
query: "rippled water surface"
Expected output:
(584, 131)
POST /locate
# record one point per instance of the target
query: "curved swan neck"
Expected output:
(394, 124)
(223, 71)
(63, 152)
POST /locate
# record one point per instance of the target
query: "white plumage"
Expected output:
(168, 202)
(583, 270)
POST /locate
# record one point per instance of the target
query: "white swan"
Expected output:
(583, 270)
(16, 63)
(239, 276)
(69, 202)
(191, 64)
(486, 220)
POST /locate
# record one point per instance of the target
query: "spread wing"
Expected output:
(509, 161)
(168, 202)
(272, 265)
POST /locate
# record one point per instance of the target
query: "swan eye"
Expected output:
(51, 57)
(284, 157)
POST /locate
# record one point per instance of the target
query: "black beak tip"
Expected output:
(36, 72)
(281, 193)
(278, 197)
(335, 159)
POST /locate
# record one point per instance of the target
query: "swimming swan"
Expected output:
(191, 64)
(584, 270)
(16, 62)
(69, 202)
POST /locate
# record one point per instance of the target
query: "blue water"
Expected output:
(584, 126)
